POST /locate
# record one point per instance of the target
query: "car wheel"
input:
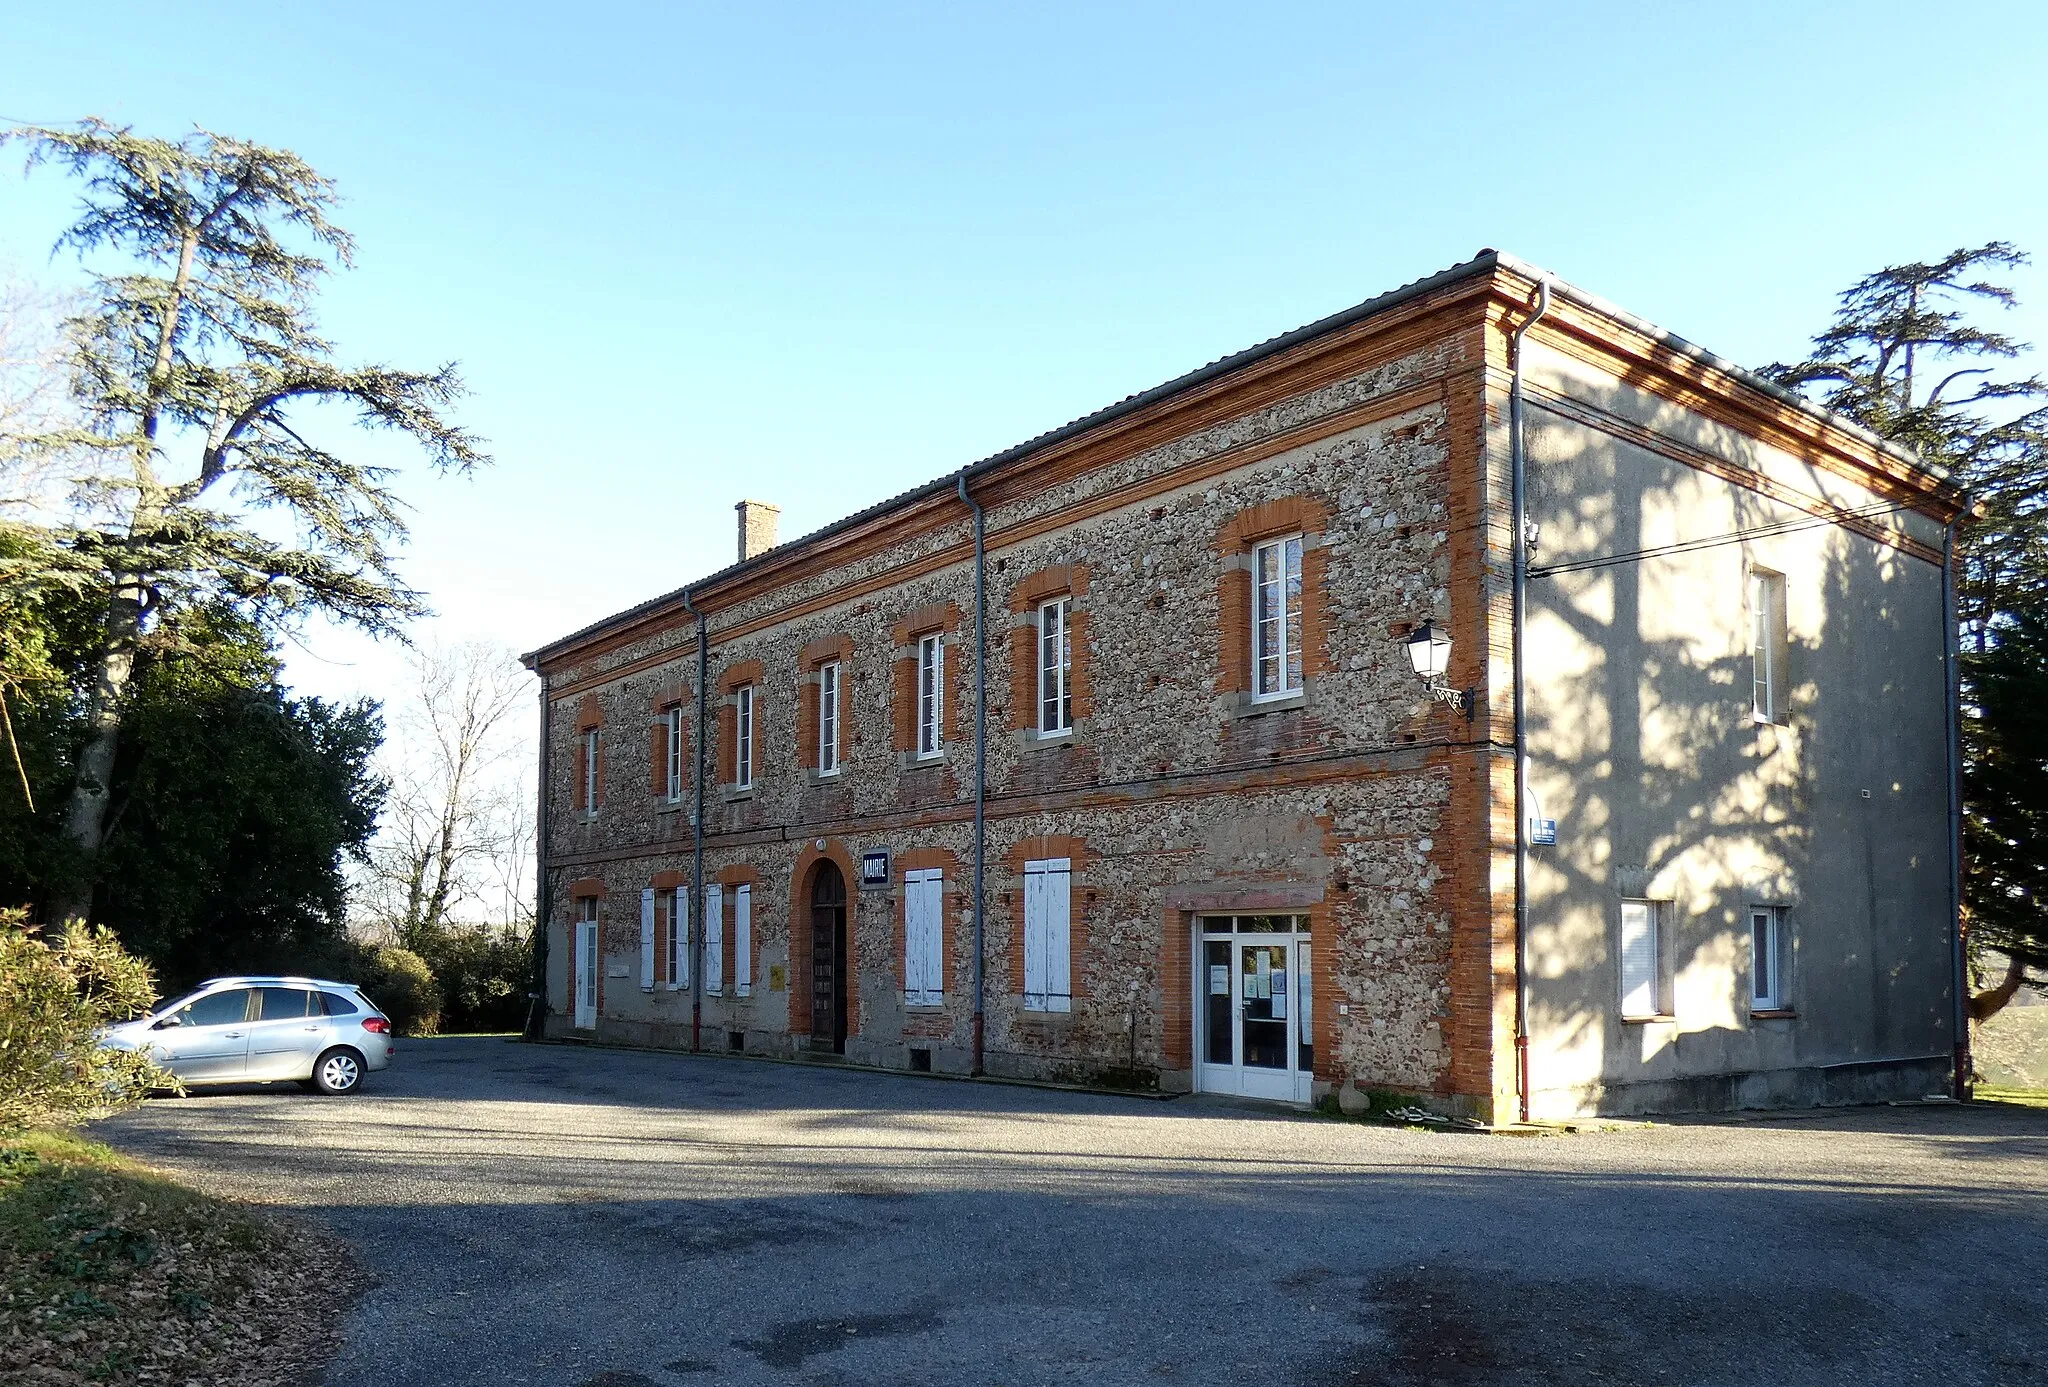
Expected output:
(338, 1071)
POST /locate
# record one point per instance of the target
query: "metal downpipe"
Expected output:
(980, 752)
(1959, 977)
(696, 906)
(1519, 488)
(537, 998)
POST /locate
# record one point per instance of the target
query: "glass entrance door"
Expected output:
(1254, 1015)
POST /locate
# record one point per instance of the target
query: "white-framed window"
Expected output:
(674, 718)
(1048, 935)
(931, 694)
(828, 718)
(1055, 668)
(590, 771)
(743, 737)
(1767, 956)
(1276, 618)
(1642, 961)
(1767, 645)
(924, 934)
(679, 938)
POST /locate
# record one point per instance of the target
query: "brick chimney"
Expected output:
(757, 527)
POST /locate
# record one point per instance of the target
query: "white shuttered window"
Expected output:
(714, 938)
(647, 940)
(743, 941)
(1048, 931)
(924, 965)
(1641, 961)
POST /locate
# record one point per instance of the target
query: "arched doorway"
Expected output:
(828, 959)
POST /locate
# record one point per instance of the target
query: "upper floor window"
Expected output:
(1276, 618)
(674, 720)
(590, 770)
(1767, 645)
(1055, 668)
(743, 737)
(828, 718)
(931, 693)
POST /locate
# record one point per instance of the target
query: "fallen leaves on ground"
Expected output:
(111, 1273)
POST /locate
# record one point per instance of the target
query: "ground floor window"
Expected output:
(1767, 991)
(1642, 961)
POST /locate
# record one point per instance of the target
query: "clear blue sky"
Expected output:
(818, 254)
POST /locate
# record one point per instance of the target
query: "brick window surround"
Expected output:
(815, 656)
(736, 677)
(942, 619)
(664, 884)
(1080, 859)
(1307, 516)
(670, 698)
(731, 879)
(589, 718)
(1029, 593)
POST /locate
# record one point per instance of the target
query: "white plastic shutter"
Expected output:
(924, 973)
(679, 939)
(714, 939)
(1048, 929)
(743, 941)
(647, 940)
(1638, 958)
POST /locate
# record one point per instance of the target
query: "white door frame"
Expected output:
(1291, 1085)
(586, 975)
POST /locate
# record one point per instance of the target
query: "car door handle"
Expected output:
(311, 1028)
(233, 1035)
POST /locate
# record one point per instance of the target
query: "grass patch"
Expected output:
(111, 1272)
(2024, 1097)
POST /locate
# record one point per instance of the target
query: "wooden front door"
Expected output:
(828, 959)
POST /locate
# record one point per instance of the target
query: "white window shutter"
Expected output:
(714, 939)
(1036, 897)
(924, 978)
(1059, 915)
(679, 929)
(934, 937)
(1638, 958)
(743, 941)
(647, 940)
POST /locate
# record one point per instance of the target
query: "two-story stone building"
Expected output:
(1186, 813)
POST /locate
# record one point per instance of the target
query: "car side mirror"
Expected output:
(167, 1023)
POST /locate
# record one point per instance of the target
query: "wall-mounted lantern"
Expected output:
(1429, 650)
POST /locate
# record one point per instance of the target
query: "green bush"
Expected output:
(54, 998)
(403, 987)
(484, 973)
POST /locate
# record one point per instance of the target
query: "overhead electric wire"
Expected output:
(1686, 546)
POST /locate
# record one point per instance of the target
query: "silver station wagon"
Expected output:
(326, 1035)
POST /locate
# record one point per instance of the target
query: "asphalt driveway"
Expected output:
(595, 1218)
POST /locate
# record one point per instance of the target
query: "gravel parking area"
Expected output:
(598, 1218)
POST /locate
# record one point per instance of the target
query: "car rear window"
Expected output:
(338, 1005)
(285, 1003)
